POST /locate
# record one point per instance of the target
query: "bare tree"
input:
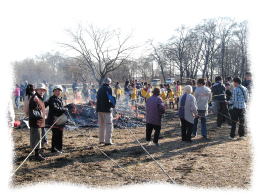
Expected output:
(99, 51)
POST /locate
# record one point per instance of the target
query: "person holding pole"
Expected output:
(37, 119)
(56, 110)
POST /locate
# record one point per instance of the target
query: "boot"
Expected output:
(38, 156)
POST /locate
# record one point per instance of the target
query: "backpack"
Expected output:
(182, 106)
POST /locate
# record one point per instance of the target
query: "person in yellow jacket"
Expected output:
(133, 94)
(148, 92)
(178, 93)
(171, 98)
(118, 90)
(163, 94)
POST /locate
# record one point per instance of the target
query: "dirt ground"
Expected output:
(217, 162)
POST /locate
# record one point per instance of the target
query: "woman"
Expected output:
(187, 113)
(17, 96)
(56, 109)
(117, 90)
(28, 94)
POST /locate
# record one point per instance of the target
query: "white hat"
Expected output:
(41, 86)
(107, 81)
(57, 87)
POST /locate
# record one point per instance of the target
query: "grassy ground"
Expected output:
(217, 162)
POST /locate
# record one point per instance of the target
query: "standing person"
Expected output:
(143, 92)
(22, 92)
(134, 95)
(187, 112)
(29, 92)
(219, 99)
(17, 96)
(65, 94)
(248, 82)
(75, 87)
(238, 100)
(127, 92)
(85, 92)
(93, 94)
(37, 119)
(193, 85)
(171, 98)
(56, 109)
(117, 90)
(178, 93)
(154, 110)
(105, 115)
(203, 96)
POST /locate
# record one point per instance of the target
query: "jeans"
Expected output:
(149, 130)
(238, 115)
(203, 123)
(17, 101)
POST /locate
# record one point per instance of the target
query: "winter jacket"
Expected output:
(154, 110)
(103, 104)
(36, 111)
(219, 92)
(56, 109)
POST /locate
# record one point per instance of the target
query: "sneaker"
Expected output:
(109, 144)
(231, 138)
(56, 151)
(242, 138)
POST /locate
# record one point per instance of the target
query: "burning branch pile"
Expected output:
(85, 115)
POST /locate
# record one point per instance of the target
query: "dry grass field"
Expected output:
(218, 162)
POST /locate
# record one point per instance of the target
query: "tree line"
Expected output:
(215, 46)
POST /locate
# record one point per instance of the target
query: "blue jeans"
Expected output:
(17, 101)
(202, 117)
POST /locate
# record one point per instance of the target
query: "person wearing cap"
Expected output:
(154, 111)
(104, 110)
(37, 119)
(56, 109)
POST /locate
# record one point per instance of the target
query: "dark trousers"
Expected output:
(149, 129)
(186, 130)
(223, 113)
(238, 115)
(57, 135)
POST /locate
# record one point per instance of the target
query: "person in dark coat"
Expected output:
(219, 98)
(105, 115)
(37, 119)
(56, 109)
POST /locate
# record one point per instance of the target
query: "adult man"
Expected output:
(238, 100)
(56, 109)
(154, 111)
(104, 110)
(37, 119)
(219, 98)
(248, 82)
(203, 96)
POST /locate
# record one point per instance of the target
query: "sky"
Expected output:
(33, 27)
(36, 27)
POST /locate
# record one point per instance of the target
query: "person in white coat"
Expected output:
(187, 112)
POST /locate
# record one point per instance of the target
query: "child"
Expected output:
(171, 98)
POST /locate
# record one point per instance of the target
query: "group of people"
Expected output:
(229, 99)
(35, 108)
(193, 100)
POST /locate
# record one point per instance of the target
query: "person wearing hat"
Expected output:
(155, 108)
(56, 116)
(37, 119)
(104, 110)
